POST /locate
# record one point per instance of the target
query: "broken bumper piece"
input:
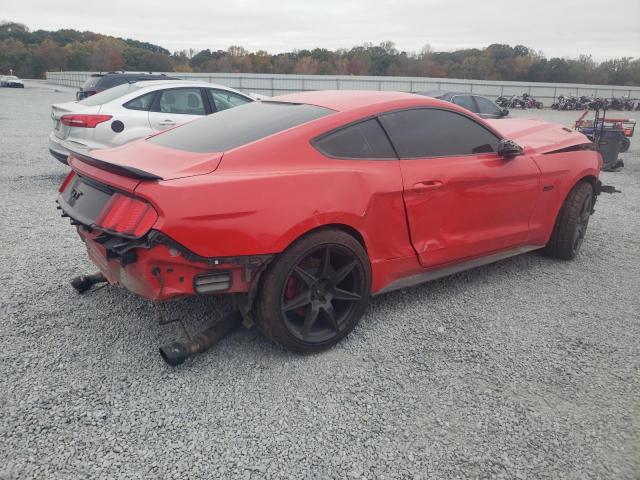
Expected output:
(157, 268)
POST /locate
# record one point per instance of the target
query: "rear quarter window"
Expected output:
(238, 126)
(465, 101)
(101, 98)
(486, 106)
(143, 102)
(363, 140)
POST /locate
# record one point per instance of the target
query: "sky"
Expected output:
(562, 28)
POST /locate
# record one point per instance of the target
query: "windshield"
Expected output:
(238, 126)
(108, 95)
(12, 77)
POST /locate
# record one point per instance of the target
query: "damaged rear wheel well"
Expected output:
(346, 229)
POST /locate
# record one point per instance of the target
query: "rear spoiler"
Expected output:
(132, 172)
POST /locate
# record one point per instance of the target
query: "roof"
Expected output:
(341, 100)
(130, 74)
(183, 83)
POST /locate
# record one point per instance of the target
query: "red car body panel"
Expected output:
(164, 162)
(176, 271)
(413, 216)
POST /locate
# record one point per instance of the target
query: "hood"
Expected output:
(144, 160)
(537, 136)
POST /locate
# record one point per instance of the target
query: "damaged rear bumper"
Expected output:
(157, 268)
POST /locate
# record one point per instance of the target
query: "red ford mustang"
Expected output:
(309, 203)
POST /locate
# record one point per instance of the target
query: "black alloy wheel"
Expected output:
(315, 292)
(321, 293)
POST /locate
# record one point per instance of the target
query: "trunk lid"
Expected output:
(538, 136)
(59, 109)
(101, 173)
(142, 160)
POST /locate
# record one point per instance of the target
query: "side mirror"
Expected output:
(504, 112)
(509, 149)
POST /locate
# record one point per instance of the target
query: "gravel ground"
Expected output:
(528, 368)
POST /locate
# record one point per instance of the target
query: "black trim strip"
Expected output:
(574, 148)
(455, 268)
(111, 167)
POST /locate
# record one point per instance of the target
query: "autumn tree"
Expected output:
(32, 53)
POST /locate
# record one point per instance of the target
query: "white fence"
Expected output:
(276, 84)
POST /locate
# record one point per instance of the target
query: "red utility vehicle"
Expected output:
(308, 203)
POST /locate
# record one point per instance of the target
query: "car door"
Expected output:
(462, 199)
(129, 119)
(175, 106)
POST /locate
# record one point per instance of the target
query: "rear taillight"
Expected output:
(83, 121)
(127, 216)
(65, 183)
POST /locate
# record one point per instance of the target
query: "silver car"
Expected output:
(132, 111)
(11, 81)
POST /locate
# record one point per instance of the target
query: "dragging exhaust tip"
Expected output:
(174, 353)
(82, 283)
(178, 351)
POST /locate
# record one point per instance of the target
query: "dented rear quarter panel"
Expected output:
(250, 206)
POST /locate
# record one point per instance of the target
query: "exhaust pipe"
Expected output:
(177, 352)
(83, 283)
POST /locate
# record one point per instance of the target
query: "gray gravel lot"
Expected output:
(528, 368)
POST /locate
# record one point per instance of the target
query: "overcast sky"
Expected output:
(568, 28)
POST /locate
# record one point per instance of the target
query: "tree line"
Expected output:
(31, 54)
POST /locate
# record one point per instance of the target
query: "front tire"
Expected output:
(571, 225)
(315, 292)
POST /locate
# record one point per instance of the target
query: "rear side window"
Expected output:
(143, 102)
(430, 132)
(362, 140)
(486, 106)
(108, 95)
(222, 99)
(185, 101)
(238, 126)
(465, 101)
(112, 81)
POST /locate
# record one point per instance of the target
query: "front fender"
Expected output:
(560, 173)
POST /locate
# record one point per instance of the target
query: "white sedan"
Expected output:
(11, 81)
(136, 110)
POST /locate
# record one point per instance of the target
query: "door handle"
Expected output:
(427, 185)
(166, 123)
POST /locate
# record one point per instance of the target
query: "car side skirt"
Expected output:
(456, 268)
